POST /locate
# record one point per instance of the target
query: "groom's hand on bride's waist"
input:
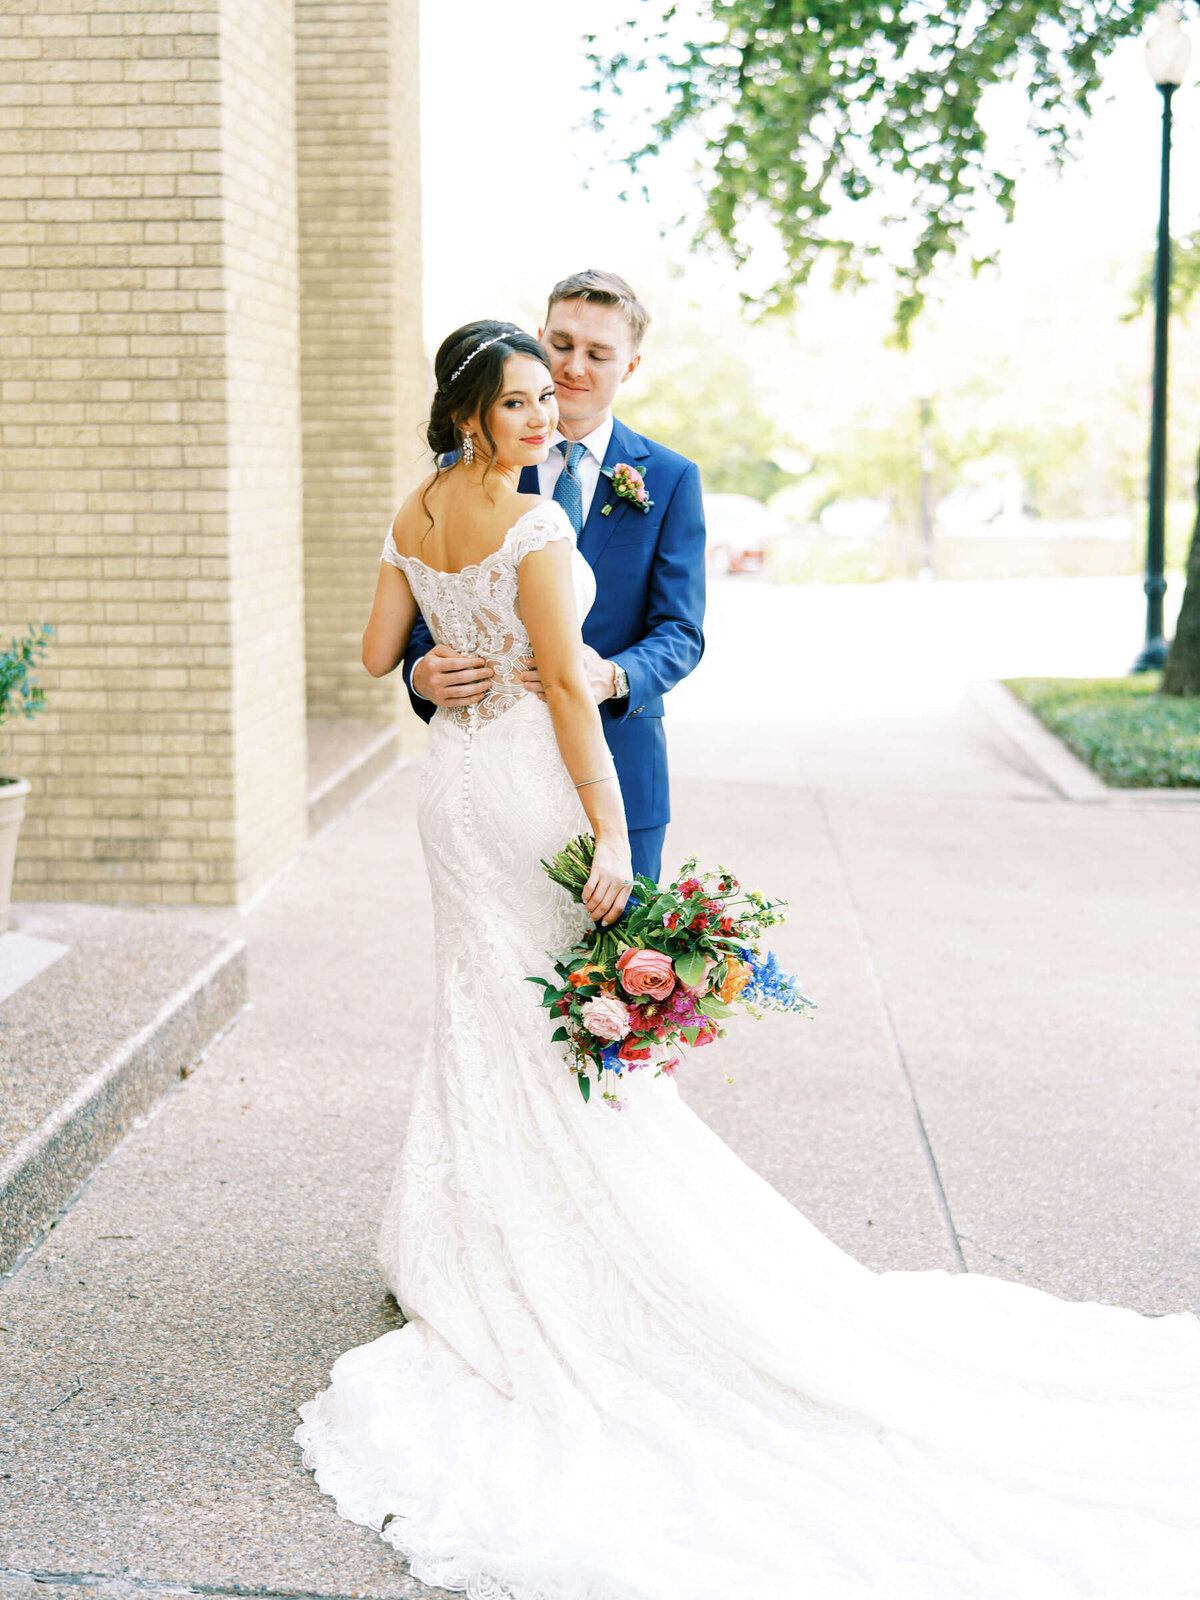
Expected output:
(449, 679)
(602, 676)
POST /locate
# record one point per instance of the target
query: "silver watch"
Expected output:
(620, 682)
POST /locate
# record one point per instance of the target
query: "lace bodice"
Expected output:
(476, 611)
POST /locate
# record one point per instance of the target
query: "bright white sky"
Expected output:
(506, 213)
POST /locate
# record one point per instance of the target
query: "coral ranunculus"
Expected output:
(606, 1016)
(737, 976)
(646, 972)
(636, 1052)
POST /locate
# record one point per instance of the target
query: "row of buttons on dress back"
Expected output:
(468, 736)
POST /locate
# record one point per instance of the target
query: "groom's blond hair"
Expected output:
(603, 289)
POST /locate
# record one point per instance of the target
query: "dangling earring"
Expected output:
(468, 449)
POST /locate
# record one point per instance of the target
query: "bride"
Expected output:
(630, 1370)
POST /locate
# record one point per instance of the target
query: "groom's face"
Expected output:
(591, 354)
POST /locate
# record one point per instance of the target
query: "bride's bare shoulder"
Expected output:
(414, 516)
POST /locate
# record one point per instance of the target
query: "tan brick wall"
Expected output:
(149, 474)
(262, 376)
(363, 371)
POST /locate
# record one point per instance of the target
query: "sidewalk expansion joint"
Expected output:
(152, 1586)
(892, 1037)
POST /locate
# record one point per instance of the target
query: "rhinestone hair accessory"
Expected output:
(495, 339)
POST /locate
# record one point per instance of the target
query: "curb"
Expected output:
(1053, 762)
(1051, 759)
(41, 1173)
(348, 782)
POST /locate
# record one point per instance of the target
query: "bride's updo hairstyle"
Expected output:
(470, 377)
(469, 371)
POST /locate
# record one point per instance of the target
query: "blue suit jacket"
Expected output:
(649, 610)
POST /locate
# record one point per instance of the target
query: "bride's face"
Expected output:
(524, 415)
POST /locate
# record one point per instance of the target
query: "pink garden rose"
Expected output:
(702, 986)
(646, 972)
(605, 1016)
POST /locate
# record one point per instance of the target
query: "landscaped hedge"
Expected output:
(1129, 734)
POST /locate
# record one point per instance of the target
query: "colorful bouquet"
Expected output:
(677, 963)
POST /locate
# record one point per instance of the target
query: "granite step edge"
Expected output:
(45, 1168)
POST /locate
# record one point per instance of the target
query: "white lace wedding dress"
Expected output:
(632, 1371)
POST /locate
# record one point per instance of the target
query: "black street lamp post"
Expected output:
(1168, 51)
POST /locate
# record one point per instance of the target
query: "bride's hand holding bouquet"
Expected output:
(666, 975)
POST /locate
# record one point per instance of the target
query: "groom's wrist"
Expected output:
(620, 688)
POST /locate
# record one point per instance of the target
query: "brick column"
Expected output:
(149, 443)
(364, 389)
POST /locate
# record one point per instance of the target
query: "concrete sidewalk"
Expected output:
(1003, 1071)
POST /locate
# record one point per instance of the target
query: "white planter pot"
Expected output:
(12, 809)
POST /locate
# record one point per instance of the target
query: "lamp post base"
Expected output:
(1153, 657)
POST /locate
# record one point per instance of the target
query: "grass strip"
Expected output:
(1130, 735)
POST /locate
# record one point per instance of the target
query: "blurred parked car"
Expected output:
(739, 529)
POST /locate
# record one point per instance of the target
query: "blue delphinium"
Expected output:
(610, 1058)
(771, 986)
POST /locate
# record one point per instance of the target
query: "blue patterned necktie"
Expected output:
(568, 491)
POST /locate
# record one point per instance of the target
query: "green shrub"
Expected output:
(20, 694)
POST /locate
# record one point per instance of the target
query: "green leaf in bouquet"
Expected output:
(712, 1007)
(692, 1033)
(585, 1086)
(690, 968)
(559, 1036)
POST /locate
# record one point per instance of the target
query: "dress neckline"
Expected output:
(476, 566)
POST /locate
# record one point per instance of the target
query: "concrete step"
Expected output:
(101, 1010)
(344, 758)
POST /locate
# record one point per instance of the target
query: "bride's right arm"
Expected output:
(393, 612)
(548, 610)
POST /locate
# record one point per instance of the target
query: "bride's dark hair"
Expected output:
(468, 383)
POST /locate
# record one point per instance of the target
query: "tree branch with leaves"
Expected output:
(804, 110)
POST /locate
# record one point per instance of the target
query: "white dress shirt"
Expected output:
(587, 468)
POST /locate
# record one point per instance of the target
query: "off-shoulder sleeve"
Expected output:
(538, 527)
(390, 553)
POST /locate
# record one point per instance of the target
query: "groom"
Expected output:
(645, 631)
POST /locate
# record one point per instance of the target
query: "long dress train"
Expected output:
(632, 1371)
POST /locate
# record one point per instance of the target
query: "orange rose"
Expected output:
(577, 980)
(737, 976)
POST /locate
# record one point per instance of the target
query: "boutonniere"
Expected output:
(628, 484)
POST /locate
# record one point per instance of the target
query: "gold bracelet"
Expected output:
(588, 781)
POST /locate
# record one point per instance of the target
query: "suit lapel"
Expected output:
(529, 481)
(623, 445)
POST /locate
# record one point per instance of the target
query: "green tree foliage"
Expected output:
(802, 105)
(703, 402)
(883, 463)
(1185, 278)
